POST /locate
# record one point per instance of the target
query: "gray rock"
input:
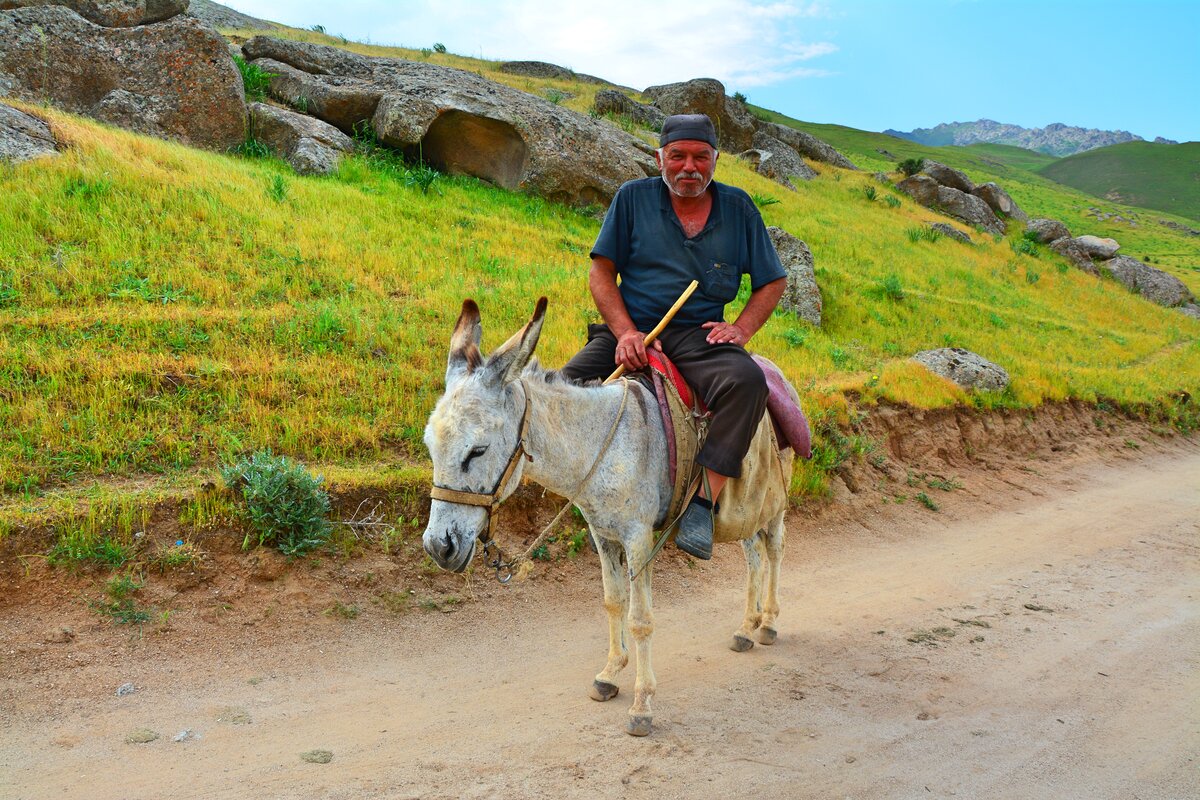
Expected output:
(920, 188)
(174, 79)
(802, 296)
(969, 370)
(735, 126)
(458, 121)
(1071, 251)
(1191, 309)
(775, 160)
(882, 177)
(111, 13)
(1046, 231)
(968, 208)
(185, 735)
(950, 231)
(1153, 284)
(1097, 247)
(806, 145)
(126, 689)
(948, 176)
(23, 136)
(612, 101)
(311, 146)
(219, 16)
(1000, 202)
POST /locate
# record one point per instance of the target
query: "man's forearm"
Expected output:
(760, 305)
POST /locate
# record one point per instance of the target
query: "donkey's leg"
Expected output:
(774, 542)
(754, 550)
(641, 626)
(616, 603)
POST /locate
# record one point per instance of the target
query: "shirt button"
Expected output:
(687, 243)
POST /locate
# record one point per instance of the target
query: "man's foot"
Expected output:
(694, 535)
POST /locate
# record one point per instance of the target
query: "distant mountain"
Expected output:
(1055, 139)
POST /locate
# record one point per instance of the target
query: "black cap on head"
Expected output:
(688, 126)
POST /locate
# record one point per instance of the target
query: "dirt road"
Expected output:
(1056, 655)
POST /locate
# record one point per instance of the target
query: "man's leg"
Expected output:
(597, 359)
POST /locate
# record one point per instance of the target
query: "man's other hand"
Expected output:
(726, 333)
(631, 352)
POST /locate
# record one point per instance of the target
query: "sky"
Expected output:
(1129, 65)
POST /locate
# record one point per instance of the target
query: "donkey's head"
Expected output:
(474, 434)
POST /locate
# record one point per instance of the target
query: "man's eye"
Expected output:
(476, 452)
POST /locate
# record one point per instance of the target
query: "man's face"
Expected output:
(687, 166)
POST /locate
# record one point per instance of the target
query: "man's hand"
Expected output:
(726, 333)
(631, 353)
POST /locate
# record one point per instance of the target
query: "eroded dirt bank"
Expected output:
(1038, 636)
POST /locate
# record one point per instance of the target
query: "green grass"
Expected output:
(162, 314)
(1159, 176)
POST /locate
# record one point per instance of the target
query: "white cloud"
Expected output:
(742, 43)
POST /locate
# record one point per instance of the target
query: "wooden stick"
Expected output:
(652, 335)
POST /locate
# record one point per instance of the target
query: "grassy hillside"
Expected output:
(163, 310)
(1011, 156)
(1160, 176)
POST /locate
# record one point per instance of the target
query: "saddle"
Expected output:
(766, 470)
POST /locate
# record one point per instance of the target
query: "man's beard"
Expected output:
(698, 190)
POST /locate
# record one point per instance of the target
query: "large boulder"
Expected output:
(999, 201)
(172, 79)
(968, 208)
(735, 126)
(24, 137)
(458, 121)
(311, 146)
(219, 16)
(1153, 284)
(775, 160)
(802, 296)
(543, 69)
(611, 101)
(947, 176)
(921, 188)
(951, 232)
(111, 13)
(1046, 231)
(1069, 249)
(1098, 247)
(969, 370)
(806, 145)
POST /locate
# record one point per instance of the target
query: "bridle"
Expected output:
(492, 500)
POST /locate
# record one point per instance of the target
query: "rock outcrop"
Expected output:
(1153, 284)
(219, 16)
(1046, 231)
(111, 13)
(970, 209)
(802, 296)
(173, 79)
(921, 188)
(951, 232)
(1097, 247)
(735, 126)
(1069, 249)
(939, 187)
(999, 201)
(311, 146)
(543, 69)
(947, 176)
(806, 145)
(24, 137)
(611, 101)
(969, 370)
(775, 160)
(457, 121)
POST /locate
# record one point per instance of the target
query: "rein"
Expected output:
(505, 570)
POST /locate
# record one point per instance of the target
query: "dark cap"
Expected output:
(688, 126)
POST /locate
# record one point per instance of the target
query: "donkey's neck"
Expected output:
(568, 428)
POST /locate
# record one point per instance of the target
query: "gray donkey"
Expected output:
(505, 419)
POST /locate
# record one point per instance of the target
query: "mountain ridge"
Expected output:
(1056, 139)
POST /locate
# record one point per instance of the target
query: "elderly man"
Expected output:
(658, 237)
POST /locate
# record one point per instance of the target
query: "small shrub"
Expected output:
(892, 201)
(426, 52)
(927, 501)
(252, 148)
(438, 47)
(285, 505)
(555, 96)
(120, 606)
(794, 337)
(764, 200)
(911, 166)
(923, 233)
(738, 97)
(256, 80)
(890, 288)
(1024, 246)
(869, 192)
(1032, 276)
(277, 189)
(422, 176)
(318, 29)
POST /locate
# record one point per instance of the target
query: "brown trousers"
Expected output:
(732, 385)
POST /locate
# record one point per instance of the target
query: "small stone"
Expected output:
(126, 688)
(60, 635)
(141, 736)
(185, 735)
(317, 756)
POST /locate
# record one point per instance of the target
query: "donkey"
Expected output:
(505, 418)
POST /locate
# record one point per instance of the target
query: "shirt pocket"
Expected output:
(721, 281)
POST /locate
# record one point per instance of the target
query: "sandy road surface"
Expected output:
(1064, 662)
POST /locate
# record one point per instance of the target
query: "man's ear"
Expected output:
(510, 358)
(464, 343)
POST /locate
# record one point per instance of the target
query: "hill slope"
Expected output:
(1160, 176)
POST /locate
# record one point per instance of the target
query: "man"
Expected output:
(658, 236)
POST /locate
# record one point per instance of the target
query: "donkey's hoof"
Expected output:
(740, 644)
(639, 725)
(767, 635)
(602, 691)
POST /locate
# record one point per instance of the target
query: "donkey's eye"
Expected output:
(476, 452)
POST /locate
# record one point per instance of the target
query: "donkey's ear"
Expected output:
(464, 343)
(510, 358)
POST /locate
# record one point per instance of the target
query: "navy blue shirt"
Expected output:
(656, 260)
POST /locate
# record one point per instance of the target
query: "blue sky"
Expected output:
(869, 64)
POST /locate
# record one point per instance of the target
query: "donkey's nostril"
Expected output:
(445, 549)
